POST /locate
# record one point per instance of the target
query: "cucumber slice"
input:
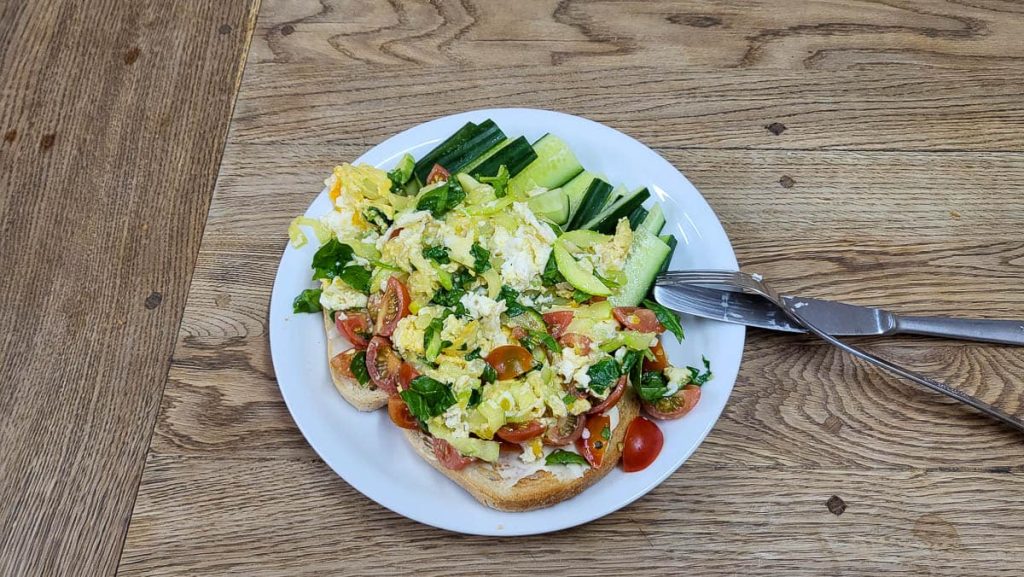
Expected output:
(576, 276)
(489, 135)
(646, 255)
(577, 189)
(515, 156)
(552, 205)
(671, 241)
(637, 216)
(461, 136)
(622, 208)
(584, 238)
(471, 167)
(555, 165)
(593, 201)
(530, 320)
(654, 222)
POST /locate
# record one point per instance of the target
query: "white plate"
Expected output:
(372, 455)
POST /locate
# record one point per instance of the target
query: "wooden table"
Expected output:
(865, 151)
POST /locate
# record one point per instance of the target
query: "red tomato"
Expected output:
(660, 360)
(449, 456)
(437, 174)
(638, 319)
(383, 364)
(579, 343)
(406, 374)
(393, 306)
(642, 445)
(565, 431)
(520, 433)
(597, 299)
(613, 397)
(400, 415)
(355, 327)
(510, 361)
(557, 322)
(675, 406)
(342, 362)
(519, 333)
(592, 443)
(506, 447)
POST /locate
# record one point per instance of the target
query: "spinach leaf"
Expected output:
(358, 368)
(580, 296)
(450, 297)
(545, 339)
(698, 378)
(490, 375)
(499, 182)
(308, 301)
(442, 199)
(652, 386)
(432, 343)
(356, 277)
(438, 254)
(475, 397)
(551, 276)
(510, 296)
(473, 354)
(630, 360)
(377, 218)
(603, 374)
(563, 457)
(481, 258)
(400, 174)
(667, 318)
(427, 398)
(330, 259)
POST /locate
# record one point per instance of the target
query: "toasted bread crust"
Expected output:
(542, 489)
(362, 398)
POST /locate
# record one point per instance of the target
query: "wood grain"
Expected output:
(201, 516)
(113, 118)
(791, 34)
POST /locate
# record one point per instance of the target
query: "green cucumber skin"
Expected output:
(671, 241)
(637, 216)
(646, 256)
(556, 164)
(423, 165)
(593, 201)
(654, 221)
(471, 167)
(516, 156)
(609, 219)
(576, 189)
(477, 146)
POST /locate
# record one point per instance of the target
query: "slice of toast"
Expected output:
(362, 398)
(541, 489)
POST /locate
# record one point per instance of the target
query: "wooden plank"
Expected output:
(792, 34)
(114, 116)
(201, 516)
(667, 106)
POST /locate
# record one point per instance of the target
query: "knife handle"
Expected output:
(990, 331)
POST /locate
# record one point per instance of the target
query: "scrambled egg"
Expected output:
(338, 296)
(523, 251)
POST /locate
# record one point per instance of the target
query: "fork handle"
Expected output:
(990, 331)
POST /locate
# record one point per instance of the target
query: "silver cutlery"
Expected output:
(740, 282)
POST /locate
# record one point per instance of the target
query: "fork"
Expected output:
(736, 281)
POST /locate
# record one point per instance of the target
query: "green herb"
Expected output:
(356, 277)
(432, 339)
(563, 457)
(490, 375)
(545, 339)
(358, 368)
(630, 359)
(377, 218)
(698, 378)
(330, 259)
(512, 306)
(427, 398)
(438, 254)
(481, 258)
(580, 296)
(606, 433)
(667, 318)
(603, 374)
(499, 182)
(652, 386)
(450, 297)
(475, 396)
(551, 276)
(473, 354)
(442, 199)
(308, 301)
(401, 173)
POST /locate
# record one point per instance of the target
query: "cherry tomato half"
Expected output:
(565, 431)
(613, 397)
(406, 374)
(675, 406)
(638, 319)
(383, 364)
(520, 433)
(393, 306)
(437, 174)
(576, 341)
(557, 322)
(642, 445)
(510, 361)
(660, 360)
(400, 415)
(592, 443)
(355, 326)
(342, 362)
(449, 456)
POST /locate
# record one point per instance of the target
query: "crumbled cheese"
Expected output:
(454, 419)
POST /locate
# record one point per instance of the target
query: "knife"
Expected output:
(834, 318)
